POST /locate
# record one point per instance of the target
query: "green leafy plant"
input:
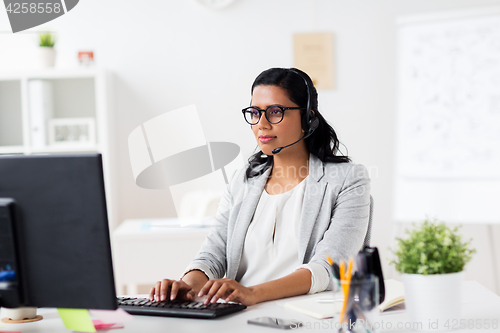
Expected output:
(47, 39)
(432, 248)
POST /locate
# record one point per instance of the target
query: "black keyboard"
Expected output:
(184, 309)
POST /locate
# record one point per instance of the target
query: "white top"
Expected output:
(271, 244)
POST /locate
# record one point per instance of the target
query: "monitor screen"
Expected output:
(64, 245)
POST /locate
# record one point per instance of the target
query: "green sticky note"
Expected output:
(77, 320)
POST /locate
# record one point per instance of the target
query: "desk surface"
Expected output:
(480, 306)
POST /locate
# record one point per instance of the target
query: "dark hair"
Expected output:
(323, 143)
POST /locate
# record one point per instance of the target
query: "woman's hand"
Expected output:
(229, 291)
(171, 289)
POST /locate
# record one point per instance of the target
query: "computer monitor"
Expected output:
(60, 229)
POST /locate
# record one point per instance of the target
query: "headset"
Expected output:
(310, 122)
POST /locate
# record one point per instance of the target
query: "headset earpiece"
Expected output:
(313, 124)
(309, 121)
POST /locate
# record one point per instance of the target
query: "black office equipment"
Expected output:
(368, 262)
(60, 208)
(11, 288)
(186, 309)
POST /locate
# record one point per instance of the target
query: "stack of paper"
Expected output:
(318, 308)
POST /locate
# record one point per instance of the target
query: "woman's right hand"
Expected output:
(170, 290)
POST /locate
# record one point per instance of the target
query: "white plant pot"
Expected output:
(19, 313)
(433, 302)
(47, 56)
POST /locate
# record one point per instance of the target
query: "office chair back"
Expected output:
(369, 229)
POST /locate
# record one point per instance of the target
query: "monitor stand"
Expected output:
(19, 315)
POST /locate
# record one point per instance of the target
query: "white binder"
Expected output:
(41, 109)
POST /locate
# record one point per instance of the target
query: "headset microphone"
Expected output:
(312, 122)
(314, 125)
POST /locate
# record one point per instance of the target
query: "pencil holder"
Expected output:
(357, 305)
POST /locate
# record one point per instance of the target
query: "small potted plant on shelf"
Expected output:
(47, 52)
(431, 260)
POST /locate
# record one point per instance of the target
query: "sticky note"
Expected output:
(112, 316)
(99, 325)
(77, 320)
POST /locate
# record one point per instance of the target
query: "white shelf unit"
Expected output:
(77, 93)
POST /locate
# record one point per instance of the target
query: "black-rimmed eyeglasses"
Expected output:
(274, 113)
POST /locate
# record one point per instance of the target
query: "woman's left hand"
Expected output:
(229, 291)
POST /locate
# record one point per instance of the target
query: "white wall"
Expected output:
(168, 54)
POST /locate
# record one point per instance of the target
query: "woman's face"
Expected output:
(270, 136)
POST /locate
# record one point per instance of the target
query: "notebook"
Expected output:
(394, 296)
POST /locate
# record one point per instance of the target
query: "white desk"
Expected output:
(479, 305)
(148, 250)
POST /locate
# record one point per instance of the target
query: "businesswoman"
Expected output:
(296, 202)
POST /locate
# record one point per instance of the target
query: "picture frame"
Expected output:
(72, 132)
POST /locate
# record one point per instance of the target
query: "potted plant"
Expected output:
(47, 52)
(431, 260)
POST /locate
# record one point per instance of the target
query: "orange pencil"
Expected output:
(343, 284)
(345, 287)
(349, 269)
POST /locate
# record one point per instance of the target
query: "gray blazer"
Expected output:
(334, 217)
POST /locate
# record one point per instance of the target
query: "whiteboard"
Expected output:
(448, 121)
